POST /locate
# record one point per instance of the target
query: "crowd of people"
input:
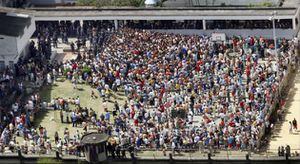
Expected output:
(18, 104)
(249, 24)
(286, 151)
(171, 79)
(163, 83)
(164, 24)
(182, 92)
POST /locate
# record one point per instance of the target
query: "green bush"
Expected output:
(45, 160)
(102, 3)
(86, 69)
(66, 71)
(173, 113)
(262, 4)
(181, 114)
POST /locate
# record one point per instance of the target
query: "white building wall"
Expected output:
(297, 19)
(12, 48)
(8, 47)
(23, 40)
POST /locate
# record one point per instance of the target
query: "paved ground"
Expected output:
(291, 3)
(281, 136)
(65, 56)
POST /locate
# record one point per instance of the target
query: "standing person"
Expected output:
(56, 137)
(93, 95)
(74, 82)
(54, 40)
(84, 125)
(173, 147)
(61, 116)
(77, 101)
(72, 47)
(49, 79)
(74, 119)
(288, 150)
(294, 124)
(290, 127)
(107, 115)
(279, 151)
(282, 151)
(116, 105)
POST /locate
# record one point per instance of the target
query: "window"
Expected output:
(2, 65)
(11, 64)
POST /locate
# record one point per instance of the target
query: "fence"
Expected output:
(182, 154)
(277, 97)
(266, 33)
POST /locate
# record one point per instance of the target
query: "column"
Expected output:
(116, 24)
(294, 23)
(81, 23)
(204, 24)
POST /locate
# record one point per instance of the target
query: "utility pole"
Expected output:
(272, 18)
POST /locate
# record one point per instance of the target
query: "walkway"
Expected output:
(281, 135)
(291, 3)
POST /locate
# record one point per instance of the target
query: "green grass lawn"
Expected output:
(50, 119)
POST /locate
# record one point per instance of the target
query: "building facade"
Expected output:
(14, 37)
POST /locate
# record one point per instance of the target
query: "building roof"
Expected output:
(224, 3)
(161, 13)
(94, 138)
(13, 25)
(15, 10)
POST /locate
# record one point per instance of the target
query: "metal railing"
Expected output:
(195, 154)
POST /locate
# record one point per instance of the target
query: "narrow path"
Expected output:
(281, 135)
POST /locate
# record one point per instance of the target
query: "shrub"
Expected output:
(45, 160)
(102, 3)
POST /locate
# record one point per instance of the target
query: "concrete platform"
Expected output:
(281, 135)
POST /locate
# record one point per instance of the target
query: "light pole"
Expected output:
(274, 32)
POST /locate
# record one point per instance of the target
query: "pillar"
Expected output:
(81, 23)
(116, 24)
(294, 23)
(204, 24)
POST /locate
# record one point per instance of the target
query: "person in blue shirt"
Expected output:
(107, 116)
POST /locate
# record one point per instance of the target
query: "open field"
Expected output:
(50, 119)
